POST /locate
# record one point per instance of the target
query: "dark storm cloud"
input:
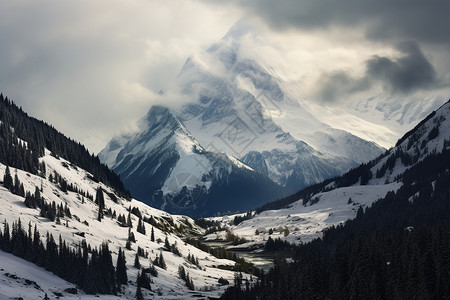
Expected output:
(420, 20)
(407, 73)
(336, 85)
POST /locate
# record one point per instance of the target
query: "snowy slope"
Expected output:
(163, 145)
(329, 204)
(240, 107)
(84, 222)
(166, 167)
(22, 279)
(306, 222)
(427, 137)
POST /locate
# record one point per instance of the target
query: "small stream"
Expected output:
(261, 260)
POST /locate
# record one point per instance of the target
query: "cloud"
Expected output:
(406, 73)
(419, 20)
(338, 85)
(90, 68)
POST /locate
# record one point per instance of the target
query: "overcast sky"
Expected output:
(92, 68)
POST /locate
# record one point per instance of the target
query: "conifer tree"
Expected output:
(143, 281)
(139, 295)
(107, 270)
(137, 264)
(100, 201)
(166, 244)
(162, 262)
(16, 189)
(129, 223)
(21, 190)
(181, 272)
(131, 236)
(128, 245)
(99, 215)
(7, 179)
(141, 227)
(121, 268)
(99, 198)
(152, 236)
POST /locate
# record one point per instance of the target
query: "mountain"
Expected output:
(65, 228)
(309, 212)
(241, 106)
(238, 117)
(397, 115)
(393, 247)
(165, 166)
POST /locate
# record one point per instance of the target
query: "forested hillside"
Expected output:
(23, 140)
(81, 225)
(398, 248)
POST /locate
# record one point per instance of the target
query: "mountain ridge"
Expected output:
(166, 167)
(233, 106)
(331, 203)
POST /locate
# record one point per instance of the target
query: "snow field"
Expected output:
(167, 283)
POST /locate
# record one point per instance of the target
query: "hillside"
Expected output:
(17, 127)
(307, 213)
(63, 220)
(396, 247)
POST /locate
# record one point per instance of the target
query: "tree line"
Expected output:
(24, 138)
(399, 248)
(91, 269)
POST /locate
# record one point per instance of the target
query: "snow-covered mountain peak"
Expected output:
(245, 110)
(167, 167)
(239, 29)
(235, 105)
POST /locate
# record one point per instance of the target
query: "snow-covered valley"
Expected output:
(84, 225)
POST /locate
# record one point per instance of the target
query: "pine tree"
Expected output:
(37, 196)
(152, 236)
(17, 182)
(162, 262)
(189, 282)
(21, 190)
(100, 201)
(143, 281)
(107, 270)
(141, 227)
(131, 236)
(181, 272)
(137, 264)
(99, 198)
(121, 268)
(129, 223)
(139, 295)
(166, 244)
(128, 245)
(7, 179)
(36, 243)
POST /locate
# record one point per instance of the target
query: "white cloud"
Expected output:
(89, 67)
(93, 68)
